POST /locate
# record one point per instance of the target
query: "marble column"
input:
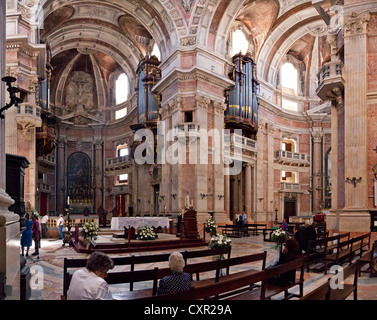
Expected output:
(61, 185)
(355, 216)
(9, 222)
(98, 145)
(227, 193)
(317, 136)
(248, 191)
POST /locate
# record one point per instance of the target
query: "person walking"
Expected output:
(26, 236)
(36, 230)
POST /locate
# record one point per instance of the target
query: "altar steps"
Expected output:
(140, 246)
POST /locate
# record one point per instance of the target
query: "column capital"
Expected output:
(317, 134)
(355, 24)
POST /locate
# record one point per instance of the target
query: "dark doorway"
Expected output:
(290, 206)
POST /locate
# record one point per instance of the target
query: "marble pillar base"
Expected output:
(9, 247)
(349, 221)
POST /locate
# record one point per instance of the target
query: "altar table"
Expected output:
(118, 223)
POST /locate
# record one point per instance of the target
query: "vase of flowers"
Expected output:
(145, 233)
(89, 232)
(279, 236)
(210, 227)
(219, 241)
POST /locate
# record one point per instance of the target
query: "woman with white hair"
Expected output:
(179, 280)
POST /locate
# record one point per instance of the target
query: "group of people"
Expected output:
(31, 232)
(90, 284)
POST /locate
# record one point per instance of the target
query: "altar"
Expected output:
(118, 223)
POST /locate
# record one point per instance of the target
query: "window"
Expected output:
(289, 78)
(239, 43)
(119, 114)
(123, 178)
(121, 89)
(188, 116)
(156, 52)
(122, 150)
(289, 105)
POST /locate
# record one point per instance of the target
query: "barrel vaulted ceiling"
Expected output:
(106, 36)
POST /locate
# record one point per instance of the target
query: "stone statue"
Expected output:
(79, 94)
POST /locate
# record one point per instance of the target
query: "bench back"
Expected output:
(241, 260)
(342, 294)
(134, 276)
(206, 253)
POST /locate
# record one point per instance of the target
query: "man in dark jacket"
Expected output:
(300, 236)
(311, 234)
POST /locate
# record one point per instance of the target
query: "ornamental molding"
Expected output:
(356, 24)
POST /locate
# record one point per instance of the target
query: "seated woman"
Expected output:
(179, 280)
(89, 283)
(291, 251)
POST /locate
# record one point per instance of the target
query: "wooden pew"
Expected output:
(325, 292)
(342, 294)
(267, 231)
(317, 249)
(132, 261)
(232, 230)
(132, 277)
(346, 250)
(242, 286)
(255, 227)
(268, 290)
(320, 293)
(370, 257)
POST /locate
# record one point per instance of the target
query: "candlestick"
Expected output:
(68, 202)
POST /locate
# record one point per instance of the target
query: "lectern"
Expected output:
(190, 225)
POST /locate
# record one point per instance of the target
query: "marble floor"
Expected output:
(52, 254)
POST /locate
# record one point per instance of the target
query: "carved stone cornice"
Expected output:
(317, 134)
(356, 24)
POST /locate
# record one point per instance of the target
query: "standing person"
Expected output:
(300, 236)
(90, 283)
(284, 225)
(179, 280)
(60, 224)
(310, 232)
(35, 228)
(26, 236)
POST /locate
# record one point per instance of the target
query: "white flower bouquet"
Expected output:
(210, 227)
(145, 233)
(279, 236)
(89, 231)
(220, 241)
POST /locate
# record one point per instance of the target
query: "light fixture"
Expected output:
(353, 181)
(14, 101)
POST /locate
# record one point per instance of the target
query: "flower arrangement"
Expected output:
(145, 233)
(210, 227)
(220, 241)
(89, 231)
(278, 236)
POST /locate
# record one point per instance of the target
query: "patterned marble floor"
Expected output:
(52, 254)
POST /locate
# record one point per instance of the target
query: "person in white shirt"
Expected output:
(89, 283)
(60, 224)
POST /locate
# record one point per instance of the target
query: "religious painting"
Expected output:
(79, 177)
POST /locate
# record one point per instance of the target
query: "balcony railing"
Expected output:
(330, 76)
(290, 187)
(187, 128)
(240, 142)
(291, 158)
(49, 160)
(43, 187)
(118, 163)
(121, 189)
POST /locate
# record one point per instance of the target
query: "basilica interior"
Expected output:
(114, 98)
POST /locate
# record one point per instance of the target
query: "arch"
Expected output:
(153, 16)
